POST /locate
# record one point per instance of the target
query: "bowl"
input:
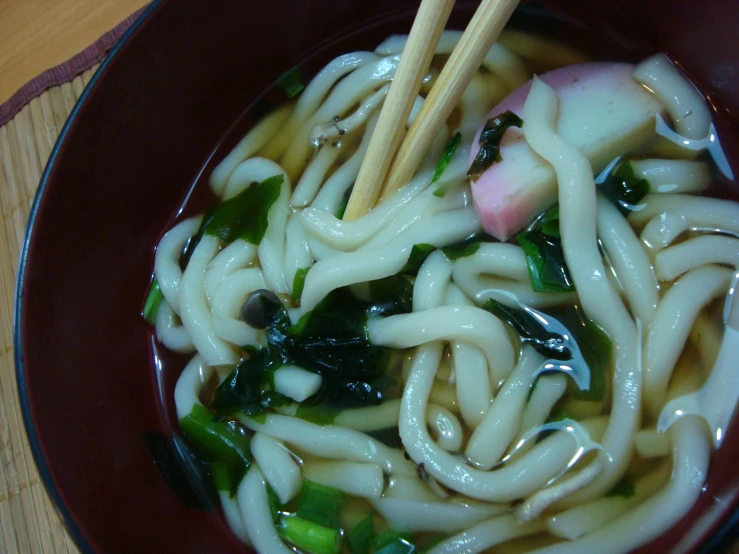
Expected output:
(168, 102)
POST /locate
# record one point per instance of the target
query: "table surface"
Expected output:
(36, 35)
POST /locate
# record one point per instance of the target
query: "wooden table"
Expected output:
(35, 35)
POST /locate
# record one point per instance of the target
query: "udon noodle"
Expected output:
(409, 382)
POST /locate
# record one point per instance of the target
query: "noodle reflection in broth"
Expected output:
(537, 355)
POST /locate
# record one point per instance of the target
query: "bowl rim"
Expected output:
(718, 541)
(74, 528)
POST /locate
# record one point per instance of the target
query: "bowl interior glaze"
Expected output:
(143, 134)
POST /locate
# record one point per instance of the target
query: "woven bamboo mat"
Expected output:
(28, 520)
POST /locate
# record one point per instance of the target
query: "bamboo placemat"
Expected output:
(28, 520)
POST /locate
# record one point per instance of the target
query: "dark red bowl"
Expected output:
(138, 140)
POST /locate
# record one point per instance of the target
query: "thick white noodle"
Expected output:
(382, 261)
(517, 479)
(167, 260)
(499, 267)
(473, 107)
(191, 381)
(370, 418)
(332, 442)
(232, 513)
(409, 488)
(651, 444)
(542, 50)
(237, 255)
(673, 176)
(170, 331)
(348, 92)
(226, 304)
(297, 250)
(445, 427)
(473, 381)
(671, 326)
(534, 505)
(575, 522)
(548, 389)
(699, 212)
(257, 514)
(310, 181)
(359, 479)
(338, 271)
(445, 517)
(500, 61)
(347, 235)
(629, 260)
(657, 514)
(331, 195)
(684, 103)
(601, 303)
(501, 423)
(333, 130)
(672, 262)
(314, 94)
(458, 323)
(196, 315)
(297, 383)
(429, 290)
(487, 534)
(252, 143)
(277, 465)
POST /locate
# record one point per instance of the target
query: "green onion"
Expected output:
(319, 503)
(490, 138)
(394, 542)
(623, 487)
(446, 157)
(221, 442)
(360, 537)
(310, 537)
(153, 300)
(291, 82)
(299, 283)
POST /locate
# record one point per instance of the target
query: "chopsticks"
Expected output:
(414, 64)
(479, 36)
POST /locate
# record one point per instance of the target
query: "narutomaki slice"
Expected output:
(603, 111)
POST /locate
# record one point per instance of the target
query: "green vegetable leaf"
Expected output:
(361, 535)
(221, 442)
(319, 414)
(394, 542)
(391, 296)
(245, 389)
(153, 300)
(196, 238)
(291, 82)
(332, 341)
(544, 255)
(490, 139)
(462, 249)
(299, 283)
(310, 537)
(595, 347)
(446, 157)
(245, 215)
(319, 503)
(623, 487)
(418, 255)
(564, 334)
(624, 188)
(559, 414)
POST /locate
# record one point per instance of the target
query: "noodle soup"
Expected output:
(528, 346)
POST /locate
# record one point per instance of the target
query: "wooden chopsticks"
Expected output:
(414, 64)
(482, 31)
